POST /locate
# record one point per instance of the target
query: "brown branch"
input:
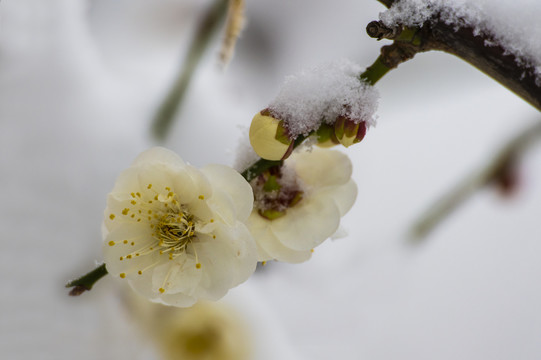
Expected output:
(387, 3)
(493, 60)
(493, 172)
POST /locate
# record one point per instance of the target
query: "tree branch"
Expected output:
(494, 61)
(494, 171)
(168, 109)
(387, 3)
(435, 34)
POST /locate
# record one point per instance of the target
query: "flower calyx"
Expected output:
(326, 137)
(269, 137)
(349, 131)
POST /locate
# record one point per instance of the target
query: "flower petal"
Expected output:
(307, 224)
(231, 182)
(159, 154)
(177, 275)
(272, 247)
(344, 196)
(321, 167)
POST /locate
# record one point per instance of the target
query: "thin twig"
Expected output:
(168, 109)
(85, 282)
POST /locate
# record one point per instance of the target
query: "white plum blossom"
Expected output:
(300, 205)
(207, 330)
(176, 234)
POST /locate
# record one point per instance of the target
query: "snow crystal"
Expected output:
(245, 154)
(512, 25)
(322, 93)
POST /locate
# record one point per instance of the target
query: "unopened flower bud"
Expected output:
(349, 132)
(269, 137)
(326, 137)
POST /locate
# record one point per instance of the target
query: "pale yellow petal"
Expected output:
(322, 167)
(232, 183)
(307, 224)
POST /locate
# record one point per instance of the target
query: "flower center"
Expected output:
(275, 191)
(174, 230)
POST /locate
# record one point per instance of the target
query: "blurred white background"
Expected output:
(79, 82)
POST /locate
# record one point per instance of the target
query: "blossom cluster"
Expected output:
(178, 234)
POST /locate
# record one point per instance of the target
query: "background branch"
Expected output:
(493, 171)
(207, 28)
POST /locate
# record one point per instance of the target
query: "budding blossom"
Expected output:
(313, 99)
(269, 137)
(176, 233)
(299, 205)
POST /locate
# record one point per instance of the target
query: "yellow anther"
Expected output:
(312, 250)
(122, 275)
(156, 197)
(162, 290)
(198, 266)
(263, 263)
(111, 243)
(137, 254)
(112, 216)
(121, 258)
(170, 194)
(167, 188)
(214, 236)
(132, 243)
(128, 256)
(149, 186)
(170, 256)
(150, 218)
(150, 201)
(125, 241)
(138, 194)
(125, 211)
(132, 195)
(150, 211)
(132, 216)
(211, 220)
(138, 220)
(201, 197)
(140, 272)
(133, 202)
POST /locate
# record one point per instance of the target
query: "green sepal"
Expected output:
(271, 214)
(271, 184)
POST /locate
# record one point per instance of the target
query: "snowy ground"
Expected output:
(78, 83)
